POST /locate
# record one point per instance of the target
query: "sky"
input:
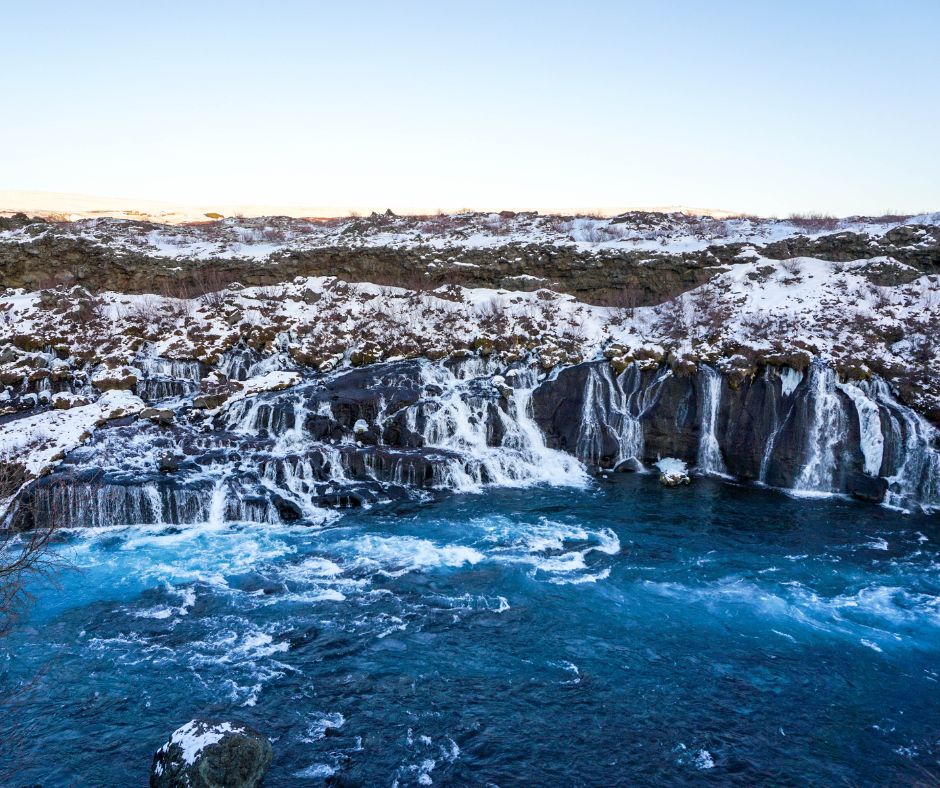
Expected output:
(761, 107)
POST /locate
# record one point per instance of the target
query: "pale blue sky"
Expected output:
(768, 107)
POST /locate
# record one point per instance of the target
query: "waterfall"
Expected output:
(377, 433)
(156, 502)
(606, 414)
(826, 431)
(915, 457)
(871, 438)
(217, 504)
(165, 378)
(459, 421)
(710, 460)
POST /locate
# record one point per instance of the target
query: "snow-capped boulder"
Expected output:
(673, 472)
(120, 378)
(203, 754)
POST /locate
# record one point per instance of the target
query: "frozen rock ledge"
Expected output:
(203, 754)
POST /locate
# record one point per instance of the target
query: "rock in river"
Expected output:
(203, 754)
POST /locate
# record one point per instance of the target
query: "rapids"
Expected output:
(610, 632)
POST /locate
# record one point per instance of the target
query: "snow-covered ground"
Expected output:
(261, 238)
(748, 313)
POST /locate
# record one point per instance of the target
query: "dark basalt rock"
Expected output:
(866, 488)
(203, 754)
(763, 433)
(600, 277)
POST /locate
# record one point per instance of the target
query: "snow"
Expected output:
(193, 737)
(270, 381)
(262, 238)
(673, 471)
(39, 441)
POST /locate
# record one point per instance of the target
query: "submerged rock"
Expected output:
(203, 754)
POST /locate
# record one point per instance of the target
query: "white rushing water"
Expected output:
(460, 421)
(871, 438)
(606, 414)
(710, 460)
(916, 460)
(826, 431)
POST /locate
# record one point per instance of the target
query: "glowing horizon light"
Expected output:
(522, 106)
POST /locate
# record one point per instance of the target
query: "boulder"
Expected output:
(673, 472)
(169, 462)
(63, 401)
(161, 415)
(120, 379)
(211, 401)
(867, 488)
(204, 754)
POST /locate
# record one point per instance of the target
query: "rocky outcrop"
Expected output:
(649, 278)
(203, 754)
(628, 276)
(917, 246)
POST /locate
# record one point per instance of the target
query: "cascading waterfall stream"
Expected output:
(872, 441)
(606, 412)
(790, 379)
(710, 460)
(916, 459)
(826, 431)
(459, 421)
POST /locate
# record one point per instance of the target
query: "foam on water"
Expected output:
(415, 644)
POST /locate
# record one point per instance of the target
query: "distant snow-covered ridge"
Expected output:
(266, 237)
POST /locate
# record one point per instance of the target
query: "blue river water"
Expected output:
(619, 635)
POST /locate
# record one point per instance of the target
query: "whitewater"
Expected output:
(599, 632)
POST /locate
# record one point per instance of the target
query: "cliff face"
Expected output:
(405, 429)
(803, 431)
(593, 278)
(154, 392)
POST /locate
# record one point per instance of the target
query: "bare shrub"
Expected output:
(625, 300)
(489, 308)
(148, 310)
(272, 292)
(210, 284)
(712, 309)
(890, 217)
(674, 319)
(25, 554)
(792, 266)
(415, 280)
(91, 310)
(882, 298)
(178, 298)
(274, 234)
(815, 222)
